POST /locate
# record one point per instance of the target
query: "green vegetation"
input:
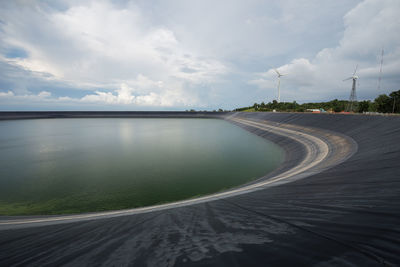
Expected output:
(382, 104)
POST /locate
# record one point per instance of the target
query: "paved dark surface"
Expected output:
(346, 215)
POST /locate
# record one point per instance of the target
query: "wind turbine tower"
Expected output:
(279, 84)
(353, 96)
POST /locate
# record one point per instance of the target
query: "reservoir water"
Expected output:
(60, 166)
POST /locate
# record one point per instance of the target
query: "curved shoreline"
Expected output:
(345, 215)
(323, 150)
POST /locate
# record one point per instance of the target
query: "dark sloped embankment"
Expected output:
(348, 214)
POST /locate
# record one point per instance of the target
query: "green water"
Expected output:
(55, 166)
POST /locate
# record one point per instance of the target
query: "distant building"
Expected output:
(316, 110)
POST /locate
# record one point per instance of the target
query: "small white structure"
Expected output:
(316, 110)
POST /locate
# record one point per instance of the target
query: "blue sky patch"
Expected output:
(16, 52)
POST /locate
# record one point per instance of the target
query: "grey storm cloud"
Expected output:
(192, 54)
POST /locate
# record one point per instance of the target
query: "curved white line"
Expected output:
(317, 151)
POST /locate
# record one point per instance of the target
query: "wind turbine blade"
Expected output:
(348, 79)
(355, 70)
(277, 72)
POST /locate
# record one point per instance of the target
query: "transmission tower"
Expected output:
(380, 73)
(352, 105)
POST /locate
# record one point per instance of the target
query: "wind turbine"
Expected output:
(353, 96)
(279, 84)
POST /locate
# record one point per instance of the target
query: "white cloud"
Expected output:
(369, 26)
(200, 54)
(6, 94)
(100, 44)
(44, 94)
(126, 96)
(28, 98)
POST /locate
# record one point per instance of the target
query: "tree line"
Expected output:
(382, 104)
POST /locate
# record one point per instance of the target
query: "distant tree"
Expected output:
(274, 104)
(372, 107)
(383, 104)
(255, 106)
(395, 101)
(363, 106)
(337, 105)
(294, 105)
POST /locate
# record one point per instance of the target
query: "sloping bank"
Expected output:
(344, 210)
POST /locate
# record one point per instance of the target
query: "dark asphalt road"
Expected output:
(345, 215)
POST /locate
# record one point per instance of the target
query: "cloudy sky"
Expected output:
(179, 54)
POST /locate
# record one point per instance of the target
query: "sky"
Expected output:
(203, 55)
